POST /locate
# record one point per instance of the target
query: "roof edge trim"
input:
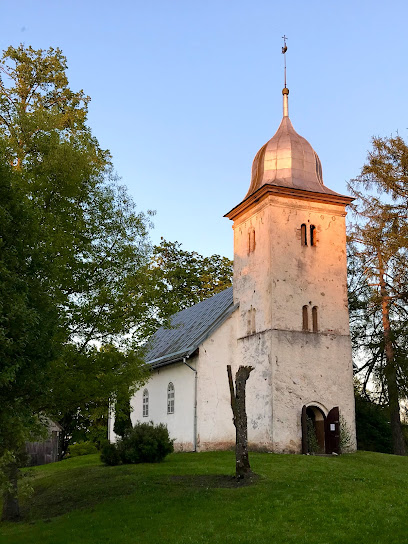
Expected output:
(267, 189)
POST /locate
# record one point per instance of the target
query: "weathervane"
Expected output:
(284, 49)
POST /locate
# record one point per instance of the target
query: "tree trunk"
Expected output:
(398, 443)
(242, 466)
(11, 508)
(64, 435)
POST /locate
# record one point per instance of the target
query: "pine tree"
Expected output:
(380, 246)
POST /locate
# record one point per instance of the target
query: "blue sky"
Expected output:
(184, 93)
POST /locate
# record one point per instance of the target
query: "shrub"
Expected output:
(372, 425)
(145, 443)
(346, 440)
(312, 443)
(110, 454)
(82, 448)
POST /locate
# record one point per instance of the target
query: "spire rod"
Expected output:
(284, 49)
(285, 91)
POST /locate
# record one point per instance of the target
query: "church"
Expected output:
(286, 315)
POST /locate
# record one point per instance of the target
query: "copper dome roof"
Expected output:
(287, 160)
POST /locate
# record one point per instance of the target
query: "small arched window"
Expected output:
(145, 403)
(303, 235)
(170, 398)
(251, 240)
(313, 235)
(305, 318)
(314, 319)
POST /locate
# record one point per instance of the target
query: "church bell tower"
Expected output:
(290, 280)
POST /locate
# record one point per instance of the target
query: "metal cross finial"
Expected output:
(284, 49)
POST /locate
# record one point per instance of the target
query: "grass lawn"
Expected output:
(358, 498)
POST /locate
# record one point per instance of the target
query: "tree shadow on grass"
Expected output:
(210, 481)
(86, 488)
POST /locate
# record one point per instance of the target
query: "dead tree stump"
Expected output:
(242, 466)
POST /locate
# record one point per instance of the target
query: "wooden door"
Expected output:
(333, 431)
(304, 431)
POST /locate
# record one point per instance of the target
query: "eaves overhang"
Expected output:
(268, 189)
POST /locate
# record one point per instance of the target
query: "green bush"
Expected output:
(145, 443)
(372, 426)
(82, 448)
(312, 443)
(110, 454)
(346, 438)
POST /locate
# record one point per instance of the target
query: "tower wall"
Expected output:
(277, 281)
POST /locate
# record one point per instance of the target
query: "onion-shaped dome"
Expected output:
(287, 160)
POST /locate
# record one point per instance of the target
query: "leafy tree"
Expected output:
(379, 248)
(80, 298)
(372, 425)
(123, 423)
(80, 401)
(179, 278)
(73, 254)
(28, 330)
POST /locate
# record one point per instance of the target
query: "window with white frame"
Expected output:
(170, 398)
(145, 403)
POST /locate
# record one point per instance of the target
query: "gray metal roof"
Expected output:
(189, 328)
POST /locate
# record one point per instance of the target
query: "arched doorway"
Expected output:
(315, 429)
(320, 433)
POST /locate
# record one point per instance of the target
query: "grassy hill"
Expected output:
(191, 498)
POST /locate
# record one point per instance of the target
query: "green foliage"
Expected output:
(82, 448)
(144, 443)
(178, 278)
(110, 455)
(379, 275)
(312, 443)
(372, 425)
(405, 433)
(28, 318)
(37, 105)
(72, 253)
(123, 423)
(345, 436)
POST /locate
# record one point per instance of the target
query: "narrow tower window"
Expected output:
(305, 319)
(313, 235)
(251, 241)
(251, 323)
(145, 403)
(314, 318)
(303, 235)
(170, 398)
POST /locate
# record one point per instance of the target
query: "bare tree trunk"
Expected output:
(398, 443)
(242, 466)
(11, 508)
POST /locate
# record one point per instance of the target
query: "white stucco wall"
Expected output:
(215, 428)
(299, 378)
(181, 423)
